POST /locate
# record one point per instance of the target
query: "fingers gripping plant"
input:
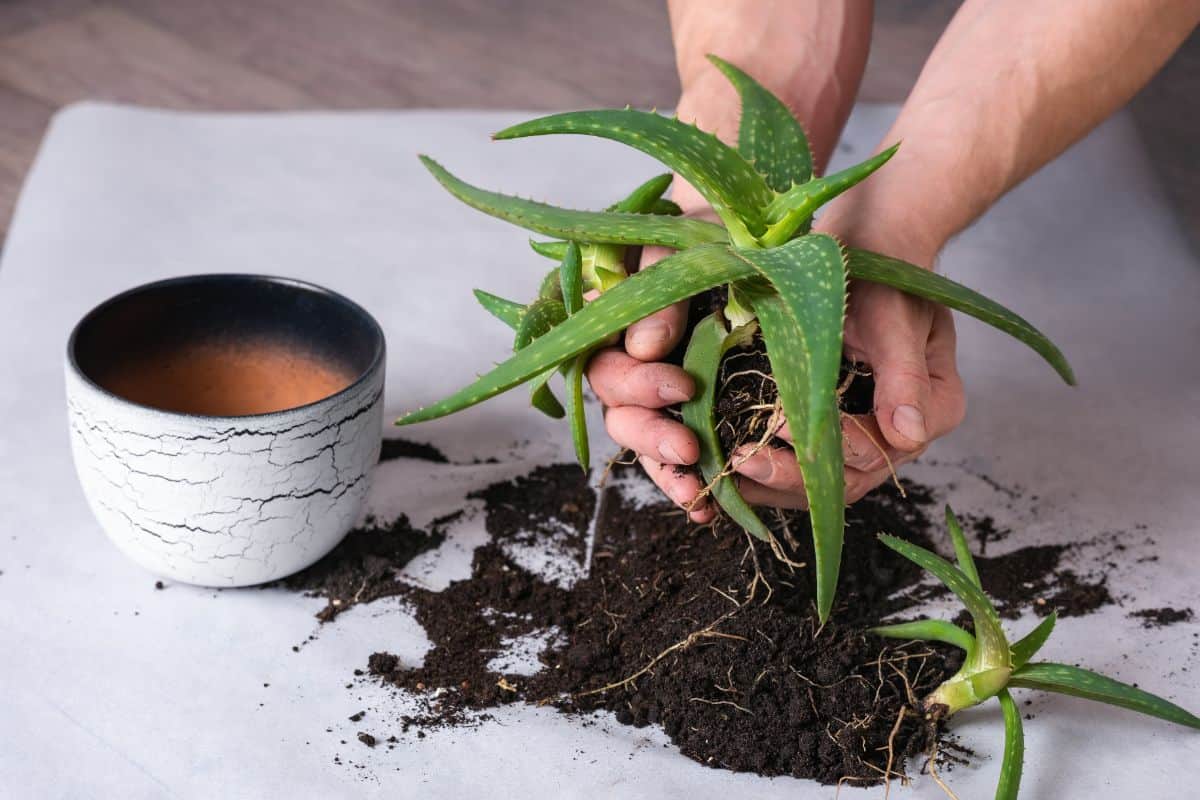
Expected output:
(992, 666)
(784, 281)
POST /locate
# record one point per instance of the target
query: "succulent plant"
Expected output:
(992, 666)
(784, 281)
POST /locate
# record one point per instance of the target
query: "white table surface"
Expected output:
(109, 688)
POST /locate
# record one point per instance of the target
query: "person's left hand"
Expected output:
(909, 344)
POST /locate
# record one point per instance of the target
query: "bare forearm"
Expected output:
(811, 53)
(1009, 87)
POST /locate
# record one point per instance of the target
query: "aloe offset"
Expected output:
(784, 281)
(992, 665)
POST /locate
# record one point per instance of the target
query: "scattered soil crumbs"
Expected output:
(394, 447)
(700, 631)
(363, 567)
(1162, 617)
(1031, 578)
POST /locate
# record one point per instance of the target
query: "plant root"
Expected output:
(683, 644)
(882, 451)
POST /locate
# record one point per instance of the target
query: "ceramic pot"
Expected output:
(225, 500)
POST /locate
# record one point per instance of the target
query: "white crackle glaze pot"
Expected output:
(237, 500)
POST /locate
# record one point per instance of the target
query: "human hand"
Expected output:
(635, 386)
(909, 344)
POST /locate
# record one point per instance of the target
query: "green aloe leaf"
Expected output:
(722, 176)
(551, 286)
(928, 630)
(571, 273)
(507, 311)
(708, 344)
(792, 211)
(571, 279)
(809, 277)
(666, 207)
(769, 136)
(818, 447)
(1079, 682)
(993, 648)
(1027, 647)
(540, 318)
(868, 266)
(554, 250)
(543, 399)
(576, 419)
(962, 552)
(642, 200)
(675, 278)
(1014, 749)
(588, 226)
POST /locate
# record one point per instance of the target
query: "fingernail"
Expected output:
(649, 334)
(757, 468)
(671, 394)
(910, 422)
(669, 453)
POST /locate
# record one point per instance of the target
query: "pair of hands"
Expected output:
(908, 342)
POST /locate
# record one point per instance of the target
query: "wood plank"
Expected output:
(456, 53)
(1167, 114)
(22, 125)
(21, 15)
(904, 34)
(108, 54)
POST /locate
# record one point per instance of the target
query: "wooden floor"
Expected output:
(303, 54)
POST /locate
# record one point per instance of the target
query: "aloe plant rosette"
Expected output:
(784, 281)
(992, 665)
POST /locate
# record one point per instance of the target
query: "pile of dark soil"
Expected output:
(701, 631)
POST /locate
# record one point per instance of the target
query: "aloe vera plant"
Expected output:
(992, 665)
(785, 281)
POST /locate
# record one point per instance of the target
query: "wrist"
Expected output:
(886, 223)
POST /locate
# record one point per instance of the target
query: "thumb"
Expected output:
(902, 390)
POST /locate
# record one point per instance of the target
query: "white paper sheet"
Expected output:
(109, 688)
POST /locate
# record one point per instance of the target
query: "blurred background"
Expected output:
(257, 55)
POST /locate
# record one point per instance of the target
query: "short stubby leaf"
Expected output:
(571, 279)
(643, 199)
(542, 315)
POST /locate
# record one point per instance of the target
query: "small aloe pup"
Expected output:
(992, 666)
(785, 284)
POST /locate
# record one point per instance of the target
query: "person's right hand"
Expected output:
(634, 386)
(908, 343)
